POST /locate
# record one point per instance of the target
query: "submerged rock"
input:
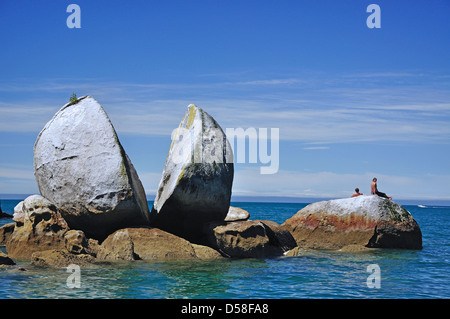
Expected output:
(195, 187)
(250, 239)
(370, 221)
(356, 249)
(5, 260)
(59, 258)
(3, 214)
(81, 167)
(43, 228)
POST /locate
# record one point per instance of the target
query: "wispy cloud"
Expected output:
(339, 109)
(316, 148)
(268, 82)
(16, 173)
(384, 75)
(15, 180)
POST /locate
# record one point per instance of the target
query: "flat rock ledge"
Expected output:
(250, 239)
(146, 243)
(368, 221)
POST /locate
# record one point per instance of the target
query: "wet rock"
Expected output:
(5, 260)
(356, 249)
(43, 228)
(205, 252)
(195, 187)
(250, 239)
(81, 167)
(293, 252)
(59, 258)
(370, 221)
(5, 232)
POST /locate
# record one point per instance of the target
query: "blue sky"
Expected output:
(351, 103)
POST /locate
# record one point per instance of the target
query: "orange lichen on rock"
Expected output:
(369, 221)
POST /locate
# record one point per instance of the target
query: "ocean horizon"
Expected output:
(277, 199)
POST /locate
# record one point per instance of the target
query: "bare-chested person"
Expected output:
(374, 189)
(357, 193)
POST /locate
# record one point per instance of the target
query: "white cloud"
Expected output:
(316, 148)
(16, 173)
(17, 181)
(306, 110)
(269, 82)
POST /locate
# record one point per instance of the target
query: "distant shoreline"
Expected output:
(279, 199)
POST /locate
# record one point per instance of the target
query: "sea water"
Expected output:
(314, 274)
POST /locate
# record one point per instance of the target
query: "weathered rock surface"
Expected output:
(147, 244)
(58, 258)
(43, 228)
(117, 246)
(5, 232)
(237, 214)
(250, 239)
(370, 221)
(205, 252)
(195, 187)
(76, 242)
(81, 167)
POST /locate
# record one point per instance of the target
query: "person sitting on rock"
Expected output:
(357, 193)
(374, 189)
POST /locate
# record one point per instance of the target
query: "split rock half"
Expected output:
(81, 167)
(196, 183)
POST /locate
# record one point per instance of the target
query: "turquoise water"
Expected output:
(314, 274)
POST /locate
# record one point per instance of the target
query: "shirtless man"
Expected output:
(374, 189)
(357, 193)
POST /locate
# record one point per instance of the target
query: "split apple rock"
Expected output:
(195, 187)
(81, 167)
